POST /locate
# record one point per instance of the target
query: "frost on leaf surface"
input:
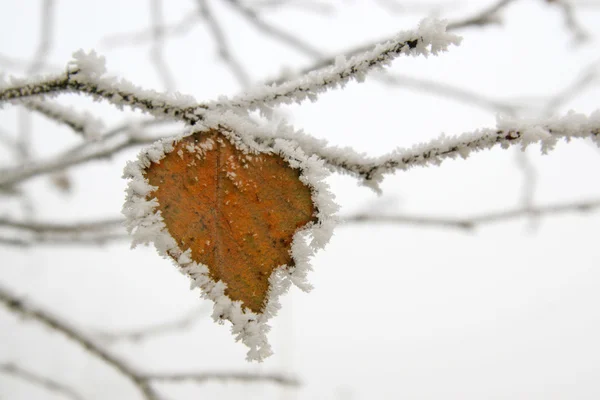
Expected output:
(236, 211)
(235, 217)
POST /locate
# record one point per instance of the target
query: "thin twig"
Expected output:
(246, 377)
(255, 19)
(484, 17)
(24, 308)
(222, 45)
(36, 379)
(472, 222)
(50, 227)
(156, 51)
(147, 332)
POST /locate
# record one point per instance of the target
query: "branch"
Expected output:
(49, 227)
(162, 328)
(429, 38)
(12, 176)
(156, 52)
(38, 380)
(253, 18)
(83, 123)
(247, 377)
(85, 75)
(20, 306)
(222, 46)
(483, 17)
(446, 90)
(468, 223)
(509, 132)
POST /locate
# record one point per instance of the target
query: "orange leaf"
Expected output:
(234, 217)
(237, 212)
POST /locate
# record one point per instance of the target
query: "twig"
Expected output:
(154, 330)
(96, 239)
(12, 176)
(247, 377)
(483, 17)
(24, 308)
(142, 381)
(38, 380)
(446, 90)
(571, 22)
(468, 223)
(509, 132)
(156, 51)
(50, 227)
(430, 38)
(254, 18)
(222, 46)
(82, 123)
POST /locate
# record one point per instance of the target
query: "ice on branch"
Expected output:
(429, 38)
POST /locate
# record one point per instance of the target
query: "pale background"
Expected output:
(507, 311)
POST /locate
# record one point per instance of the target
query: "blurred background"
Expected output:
(477, 279)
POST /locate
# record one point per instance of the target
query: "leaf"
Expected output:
(235, 216)
(237, 211)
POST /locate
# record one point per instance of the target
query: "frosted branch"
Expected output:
(430, 38)
(484, 17)
(509, 132)
(38, 380)
(85, 75)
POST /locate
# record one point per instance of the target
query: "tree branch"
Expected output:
(35, 379)
(20, 306)
(472, 222)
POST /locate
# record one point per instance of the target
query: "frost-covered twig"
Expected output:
(22, 307)
(85, 75)
(247, 377)
(508, 132)
(472, 222)
(175, 325)
(83, 123)
(430, 38)
(484, 17)
(221, 43)
(38, 380)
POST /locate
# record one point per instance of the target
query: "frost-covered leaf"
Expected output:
(235, 217)
(237, 212)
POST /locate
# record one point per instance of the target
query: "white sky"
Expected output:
(397, 311)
